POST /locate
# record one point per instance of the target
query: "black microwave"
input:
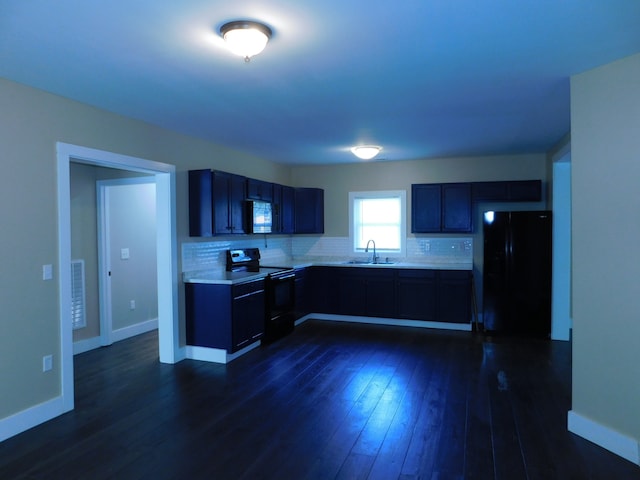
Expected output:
(260, 215)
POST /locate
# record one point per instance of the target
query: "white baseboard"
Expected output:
(133, 330)
(609, 439)
(86, 345)
(31, 417)
(216, 355)
(397, 322)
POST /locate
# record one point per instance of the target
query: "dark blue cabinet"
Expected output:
(417, 294)
(259, 190)
(367, 292)
(309, 210)
(507, 191)
(229, 317)
(229, 194)
(283, 209)
(200, 203)
(454, 296)
(216, 203)
(413, 294)
(442, 207)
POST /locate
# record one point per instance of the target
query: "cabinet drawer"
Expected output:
(247, 288)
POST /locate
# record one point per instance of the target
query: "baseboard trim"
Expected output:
(82, 346)
(133, 330)
(31, 417)
(86, 345)
(216, 355)
(609, 439)
(396, 322)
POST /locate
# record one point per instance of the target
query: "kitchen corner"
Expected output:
(430, 287)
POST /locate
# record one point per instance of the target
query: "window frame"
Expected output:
(379, 194)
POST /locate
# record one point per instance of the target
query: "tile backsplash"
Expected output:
(283, 250)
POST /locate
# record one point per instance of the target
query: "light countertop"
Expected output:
(222, 277)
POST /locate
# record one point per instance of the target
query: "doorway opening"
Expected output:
(166, 247)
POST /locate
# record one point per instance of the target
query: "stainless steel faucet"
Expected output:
(374, 258)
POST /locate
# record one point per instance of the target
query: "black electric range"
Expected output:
(279, 290)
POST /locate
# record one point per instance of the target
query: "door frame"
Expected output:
(167, 264)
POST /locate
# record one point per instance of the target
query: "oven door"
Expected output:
(280, 313)
(281, 298)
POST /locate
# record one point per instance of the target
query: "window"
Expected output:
(378, 216)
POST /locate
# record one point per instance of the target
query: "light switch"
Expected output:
(124, 254)
(47, 272)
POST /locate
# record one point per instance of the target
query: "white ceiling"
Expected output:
(422, 78)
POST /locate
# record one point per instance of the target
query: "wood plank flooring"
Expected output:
(333, 400)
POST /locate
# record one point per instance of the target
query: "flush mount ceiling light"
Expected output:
(245, 38)
(366, 152)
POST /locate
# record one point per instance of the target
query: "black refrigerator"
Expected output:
(517, 273)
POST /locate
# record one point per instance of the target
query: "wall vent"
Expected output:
(78, 308)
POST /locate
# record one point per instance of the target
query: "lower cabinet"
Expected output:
(366, 292)
(228, 317)
(417, 294)
(454, 296)
(413, 294)
(301, 293)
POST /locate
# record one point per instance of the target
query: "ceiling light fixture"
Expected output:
(246, 38)
(366, 152)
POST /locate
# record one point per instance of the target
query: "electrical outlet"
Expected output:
(132, 305)
(47, 363)
(124, 254)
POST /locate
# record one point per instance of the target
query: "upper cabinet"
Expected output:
(448, 207)
(283, 209)
(309, 210)
(259, 190)
(200, 203)
(442, 207)
(509, 191)
(217, 202)
(229, 194)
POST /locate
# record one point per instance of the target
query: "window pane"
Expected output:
(378, 219)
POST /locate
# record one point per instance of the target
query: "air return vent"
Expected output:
(78, 310)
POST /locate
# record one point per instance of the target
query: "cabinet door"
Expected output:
(322, 289)
(490, 191)
(381, 293)
(200, 203)
(426, 208)
(309, 210)
(208, 315)
(221, 192)
(456, 207)
(525, 191)
(417, 294)
(259, 190)
(454, 296)
(301, 293)
(248, 314)
(283, 219)
(352, 296)
(237, 196)
(287, 210)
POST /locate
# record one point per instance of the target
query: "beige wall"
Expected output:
(605, 118)
(31, 122)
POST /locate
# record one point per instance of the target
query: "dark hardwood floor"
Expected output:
(331, 401)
